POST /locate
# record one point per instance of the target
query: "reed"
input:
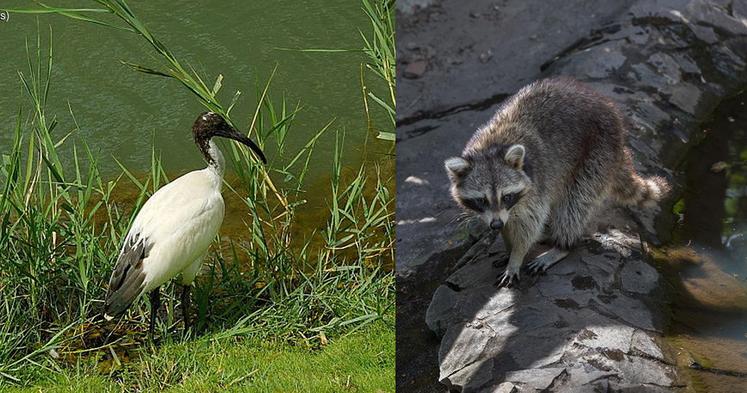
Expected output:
(379, 46)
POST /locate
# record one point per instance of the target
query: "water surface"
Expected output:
(706, 263)
(122, 112)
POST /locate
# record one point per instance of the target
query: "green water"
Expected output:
(121, 112)
(705, 264)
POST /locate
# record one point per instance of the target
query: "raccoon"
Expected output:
(542, 165)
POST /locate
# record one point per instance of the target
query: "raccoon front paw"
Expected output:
(508, 279)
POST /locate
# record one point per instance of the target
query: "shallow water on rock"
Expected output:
(705, 263)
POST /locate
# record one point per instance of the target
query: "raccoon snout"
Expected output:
(496, 224)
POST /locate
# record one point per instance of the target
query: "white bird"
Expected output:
(172, 232)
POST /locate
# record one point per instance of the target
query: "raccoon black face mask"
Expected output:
(490, 185)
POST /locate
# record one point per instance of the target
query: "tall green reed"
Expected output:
(381, 52)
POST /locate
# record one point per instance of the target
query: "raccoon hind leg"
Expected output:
(570, 217)
(566, 226)
(569, 223)
(548, 258)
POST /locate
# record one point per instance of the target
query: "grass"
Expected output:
(357, 363)
(275, 298)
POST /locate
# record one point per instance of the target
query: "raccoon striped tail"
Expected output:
(631, 189)
(646, 192)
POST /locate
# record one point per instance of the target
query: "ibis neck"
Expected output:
(214, 157)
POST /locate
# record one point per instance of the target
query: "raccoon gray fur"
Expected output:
(543, 164)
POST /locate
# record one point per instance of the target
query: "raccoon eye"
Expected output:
(509, 199)
(476, 204)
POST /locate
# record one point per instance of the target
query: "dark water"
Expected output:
(121, 111)
(706, 263)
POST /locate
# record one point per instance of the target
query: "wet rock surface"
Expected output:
(588, 324)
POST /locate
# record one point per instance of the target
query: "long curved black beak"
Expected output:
(231, 133)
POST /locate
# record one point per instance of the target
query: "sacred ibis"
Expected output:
(171, 233)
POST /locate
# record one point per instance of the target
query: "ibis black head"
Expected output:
(210, 124)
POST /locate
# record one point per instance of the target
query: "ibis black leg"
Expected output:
(185, 305)
(155, 304)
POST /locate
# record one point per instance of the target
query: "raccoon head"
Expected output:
(489, 183)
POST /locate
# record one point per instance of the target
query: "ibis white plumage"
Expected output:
(171, 234)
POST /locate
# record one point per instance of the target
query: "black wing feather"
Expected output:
(127, 278)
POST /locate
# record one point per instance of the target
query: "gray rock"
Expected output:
(643, 371)
(637, 388)
(606, 338)
(654, 115)
(410, 6)
(583, 378)
(442, 310)
(597, 62)
(629, 310)
(705, 34)
(639, 277)
(521, 33)
(686, 63)
(739, 10)
(475, 274)
(667, 67)
(549, 354)
(602, 268)
(415, 69)
(494, 304)
(537, 330)
(561, 287)
(536, 378)
(706, 13)
(505, 387)
(643, 344)
(472, 378)
(467, 346)
(686, 96)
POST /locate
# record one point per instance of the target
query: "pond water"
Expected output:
(705, 264)
(122, 112)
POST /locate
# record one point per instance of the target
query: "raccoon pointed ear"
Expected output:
(515, 156)
(457, 166)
